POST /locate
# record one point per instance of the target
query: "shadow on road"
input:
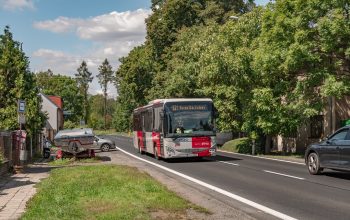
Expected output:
(201, 160)
(104, 158)
(338, 174)
(224, 158)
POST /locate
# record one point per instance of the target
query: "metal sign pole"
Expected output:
(21, 120)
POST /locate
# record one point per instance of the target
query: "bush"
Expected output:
(239, 145)
(70, 125)
(242, 145)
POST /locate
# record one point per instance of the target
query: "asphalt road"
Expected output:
(284, 187)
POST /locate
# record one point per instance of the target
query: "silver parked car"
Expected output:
(103, 144)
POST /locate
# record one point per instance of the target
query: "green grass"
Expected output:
(104, 192)
(235, 145)
(111, 132)
(240, 146)
(289, 156)
(70, 161)
(105, 132)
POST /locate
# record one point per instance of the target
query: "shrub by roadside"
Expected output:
(239, 145)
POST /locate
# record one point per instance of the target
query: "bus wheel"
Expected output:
(140, 149)
(155, 153)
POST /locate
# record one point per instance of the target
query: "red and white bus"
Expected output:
(175, 128)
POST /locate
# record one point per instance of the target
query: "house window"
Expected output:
(316, 126)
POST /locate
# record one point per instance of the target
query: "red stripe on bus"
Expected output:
(156, 140)
(202, 142)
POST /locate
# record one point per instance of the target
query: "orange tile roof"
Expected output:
(57, 100)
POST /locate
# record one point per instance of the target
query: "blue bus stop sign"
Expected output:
(21, 106)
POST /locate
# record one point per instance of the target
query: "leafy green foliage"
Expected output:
(70, 125)
(83, 78)
(67, 88)
(133, 80)
(100, 117)
(17, 82)
(104, 78)
(300, 53)
(268, 71)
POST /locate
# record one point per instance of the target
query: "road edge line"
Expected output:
(266, 158)
(217, 189)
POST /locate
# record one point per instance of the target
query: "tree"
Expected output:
(66, 87)
(105, 77)
(100, 117)
(302, 58)
(17, 82)
(83, 78)
(133, 82)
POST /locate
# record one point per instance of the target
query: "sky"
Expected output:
(60, 34)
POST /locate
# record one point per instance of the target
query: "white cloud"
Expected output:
(59, 25)
(113, 36)
(48, 53)
(115, 26)
(16, 4)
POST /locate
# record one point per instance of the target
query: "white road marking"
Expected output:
(217, 189)
(281, 174)
(234, 164)
(267, 158)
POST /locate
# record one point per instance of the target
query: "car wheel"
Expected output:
(313, 164)
(105, 147)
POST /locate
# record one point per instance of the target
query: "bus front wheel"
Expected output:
(156, 153)
(140, 149)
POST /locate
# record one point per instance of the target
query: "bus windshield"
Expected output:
(189, 119)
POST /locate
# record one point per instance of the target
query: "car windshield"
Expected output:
(189, 119)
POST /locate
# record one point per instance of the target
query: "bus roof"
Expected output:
(163, 101)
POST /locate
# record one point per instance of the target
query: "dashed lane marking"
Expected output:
(286, 175)
(234, 164)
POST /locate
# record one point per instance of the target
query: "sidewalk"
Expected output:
(17, 189)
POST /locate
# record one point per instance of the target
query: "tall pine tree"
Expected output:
(83, 78)
(105, 77)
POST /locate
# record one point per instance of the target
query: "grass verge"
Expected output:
(238, 145)
(105, 192)
(112, 132)
(279, 155)
(70, 161)
(105, 132)
(241, 145)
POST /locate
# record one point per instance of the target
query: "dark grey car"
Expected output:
(103, 144)
(332, 153)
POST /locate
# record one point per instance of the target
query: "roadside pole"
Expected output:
(21, 120)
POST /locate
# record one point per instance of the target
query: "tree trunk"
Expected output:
(268, 144)
(105, 108)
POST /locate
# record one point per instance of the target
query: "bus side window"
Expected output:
(157, 120)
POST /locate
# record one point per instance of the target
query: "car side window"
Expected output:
(341, 135)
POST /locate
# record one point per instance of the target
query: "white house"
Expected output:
(52, 106)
